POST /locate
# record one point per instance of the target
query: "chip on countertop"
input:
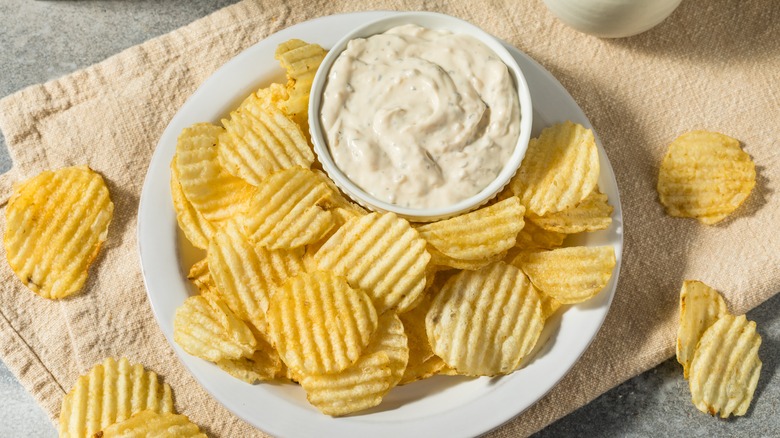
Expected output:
(700, 307)
(56, 223)
(705, 175)
(725, 368)
(111, 392)
(151, 424)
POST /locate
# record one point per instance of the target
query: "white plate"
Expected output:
(440, 406)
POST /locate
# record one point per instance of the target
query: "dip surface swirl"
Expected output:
(420, 118)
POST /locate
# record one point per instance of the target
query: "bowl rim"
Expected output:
(431, 20)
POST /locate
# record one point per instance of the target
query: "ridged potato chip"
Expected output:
(264, 364)
(700, 307)
(592, 214)
(443, 261)
(151, 424)
(272, 95)
(301, 60)
(534, 237)
(419, 371)
(482, 323)
(111, 392)
(414, 327)
(549, 305)
(365, 383)
(246, 275)
(207, 328)
(569, 275)
(340, 217)
(381, 254)
(200, 276)
(725, 368)
(338, 201)
(343, 210)
(212, 191)
(419, 365)
(480, 234)
(560, 168)
(705, 175)
(56, 223)
(447, 370)
(290, 210)
(319, 324)
(259, 139)
(196, 228)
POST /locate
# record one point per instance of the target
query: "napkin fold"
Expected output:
(712, 66)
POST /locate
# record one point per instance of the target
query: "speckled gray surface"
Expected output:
(42, 40)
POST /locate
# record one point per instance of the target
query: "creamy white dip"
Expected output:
(420, 118)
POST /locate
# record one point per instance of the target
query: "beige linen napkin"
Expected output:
(711, 65)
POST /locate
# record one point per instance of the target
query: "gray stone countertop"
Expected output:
(42, 40)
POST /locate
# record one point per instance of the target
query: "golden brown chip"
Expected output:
(593, 213)
(212, 191)
(725, 368)
(700, 307)
(272, 95)
(264, 364)
(419, 365)
(246, 275)
(448, 371)
(569, 275)
(111, 392)
(381, 254)
(195, 227)
(414, 327)
(151, 424)
(301, 60)
(200, 276)
(319, 323)
(290, 210)
(339, 201)
(534, 237)
(343, 210)
(480, 234)
(365, 383)
(705, 175)
(56, 223)
(549, 305)
(440, 260)
(560, 168)
(419, 371)
(259, 140)
(482, 323)
(207, 328)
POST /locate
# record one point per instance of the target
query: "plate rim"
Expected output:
(413, 427)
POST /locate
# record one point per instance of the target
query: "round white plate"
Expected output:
(440, 406)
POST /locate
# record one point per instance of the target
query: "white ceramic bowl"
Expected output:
(432, 21)
(612, 18)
